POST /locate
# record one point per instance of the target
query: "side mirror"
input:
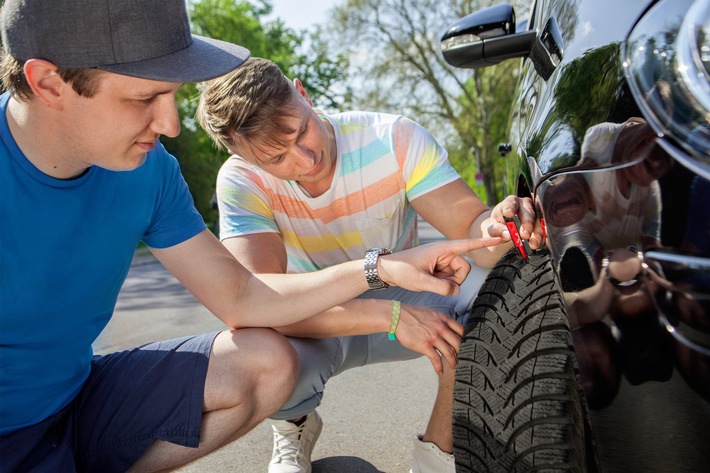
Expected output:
(488, 36)
(485, 38)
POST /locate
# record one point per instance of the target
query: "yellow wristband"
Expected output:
(394, 321)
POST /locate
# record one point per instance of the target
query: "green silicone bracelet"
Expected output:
(394, 321)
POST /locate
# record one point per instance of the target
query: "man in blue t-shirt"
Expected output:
(83, 179)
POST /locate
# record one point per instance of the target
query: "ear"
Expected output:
(302, 91)
(45, 82)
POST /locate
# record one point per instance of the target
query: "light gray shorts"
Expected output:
(324, 358)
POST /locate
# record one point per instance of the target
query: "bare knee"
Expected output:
(256, 365)
(277, 367)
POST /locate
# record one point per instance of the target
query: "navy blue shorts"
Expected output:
(130, 399)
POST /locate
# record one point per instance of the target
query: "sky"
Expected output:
(302, 15)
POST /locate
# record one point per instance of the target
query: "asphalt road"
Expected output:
(370, 414)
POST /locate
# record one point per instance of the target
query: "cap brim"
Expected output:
(204, 59)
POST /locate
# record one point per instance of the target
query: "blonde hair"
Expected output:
(249, 104)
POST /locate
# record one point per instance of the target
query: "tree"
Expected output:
(243, 22)
(394, 45)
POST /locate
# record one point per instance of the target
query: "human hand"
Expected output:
(530, 227)
(435, 267)
(430, 333)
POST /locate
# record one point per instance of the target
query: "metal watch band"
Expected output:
(371, 274)
(633, 280)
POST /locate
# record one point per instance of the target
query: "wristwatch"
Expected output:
(642, 266)
(371, 273)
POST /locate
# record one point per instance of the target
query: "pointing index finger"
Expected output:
(464, 246)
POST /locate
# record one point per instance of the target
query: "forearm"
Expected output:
(240, 298)
(243, 299)
(590, 304)
(356, 317)
(277, 300)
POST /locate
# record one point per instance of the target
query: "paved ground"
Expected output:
(371, 414)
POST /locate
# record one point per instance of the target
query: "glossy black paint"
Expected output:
(602, 138)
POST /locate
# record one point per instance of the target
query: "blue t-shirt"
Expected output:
(65, 249)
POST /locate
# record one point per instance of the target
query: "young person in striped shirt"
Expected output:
(305, 190)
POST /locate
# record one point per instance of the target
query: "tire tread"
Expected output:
(518, 403)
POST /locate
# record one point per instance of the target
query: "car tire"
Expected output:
(518, 401)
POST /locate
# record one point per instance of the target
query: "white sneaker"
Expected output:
(293, 444)
(428, 458)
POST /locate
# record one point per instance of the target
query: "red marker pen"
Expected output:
(514, 230)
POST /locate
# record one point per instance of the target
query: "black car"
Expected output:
(593, 353)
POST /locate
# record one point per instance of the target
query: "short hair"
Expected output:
(84, 81)
(250, 103)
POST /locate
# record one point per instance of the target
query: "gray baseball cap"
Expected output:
(149, 39)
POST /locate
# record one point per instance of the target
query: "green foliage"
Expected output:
(594, 92)
(398, 66)
(580, 99)
(484, 109)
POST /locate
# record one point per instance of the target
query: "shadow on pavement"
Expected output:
(344, 464)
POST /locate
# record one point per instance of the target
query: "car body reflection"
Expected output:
(612, 142)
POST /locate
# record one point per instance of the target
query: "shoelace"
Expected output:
(289, 443)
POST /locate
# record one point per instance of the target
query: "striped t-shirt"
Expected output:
(384, 162)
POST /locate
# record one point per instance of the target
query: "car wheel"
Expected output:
(518, 400)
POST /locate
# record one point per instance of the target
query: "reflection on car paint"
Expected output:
(614, 147)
